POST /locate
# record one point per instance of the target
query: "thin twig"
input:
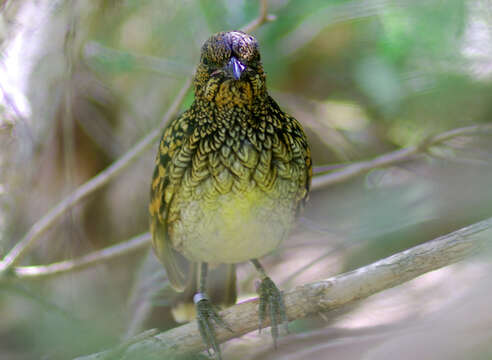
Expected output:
(464, 131)
(319, 182)
(112, 252)
(327, 294)
(262, 18)
(461, 160)
(353, 170)
(48, 220)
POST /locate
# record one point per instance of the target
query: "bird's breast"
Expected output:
(234, 227)
(235, 203)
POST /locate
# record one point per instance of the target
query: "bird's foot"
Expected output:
(206, 316)
(272, 305)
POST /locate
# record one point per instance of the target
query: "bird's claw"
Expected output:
(206, 316)
(272, 305)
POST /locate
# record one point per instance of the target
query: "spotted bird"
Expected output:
(231, 175)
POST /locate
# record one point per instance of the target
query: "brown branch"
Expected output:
(350, 171)
(50, 218)
(327, 294)
(38, 272)
(319, 182)
(262, 18)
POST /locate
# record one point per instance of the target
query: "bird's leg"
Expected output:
(271, 303)
(207, 314)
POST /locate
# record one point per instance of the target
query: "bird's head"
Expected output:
(230, 70)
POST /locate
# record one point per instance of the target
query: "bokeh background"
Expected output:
(81, 82)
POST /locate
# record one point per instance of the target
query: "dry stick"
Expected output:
(319, 182)
(322, 181)
(262, 18)
(48, 220)
(351, 171)
(327, 294)
(43, 271)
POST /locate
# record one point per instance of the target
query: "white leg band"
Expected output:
(199, 297)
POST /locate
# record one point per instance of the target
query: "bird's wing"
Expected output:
(305, 155)
(293, 147)
(165, 183)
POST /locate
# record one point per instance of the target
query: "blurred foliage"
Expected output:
(364, 78)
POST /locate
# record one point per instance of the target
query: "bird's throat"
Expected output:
(232, 93)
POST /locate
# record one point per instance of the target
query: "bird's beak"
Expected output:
(235, 68)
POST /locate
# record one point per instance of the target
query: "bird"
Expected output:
(232, 174)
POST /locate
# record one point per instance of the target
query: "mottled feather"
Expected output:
(231, 171)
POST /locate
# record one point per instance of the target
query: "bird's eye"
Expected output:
(205, 61)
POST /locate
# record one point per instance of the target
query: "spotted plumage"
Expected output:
(231, 171)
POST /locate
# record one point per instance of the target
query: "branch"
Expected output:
(319, 182)
(327, 294)
(395, 157)
(262, 18)
(48, 220)
(112, 252)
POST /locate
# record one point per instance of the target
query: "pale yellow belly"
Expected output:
(234, 227)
